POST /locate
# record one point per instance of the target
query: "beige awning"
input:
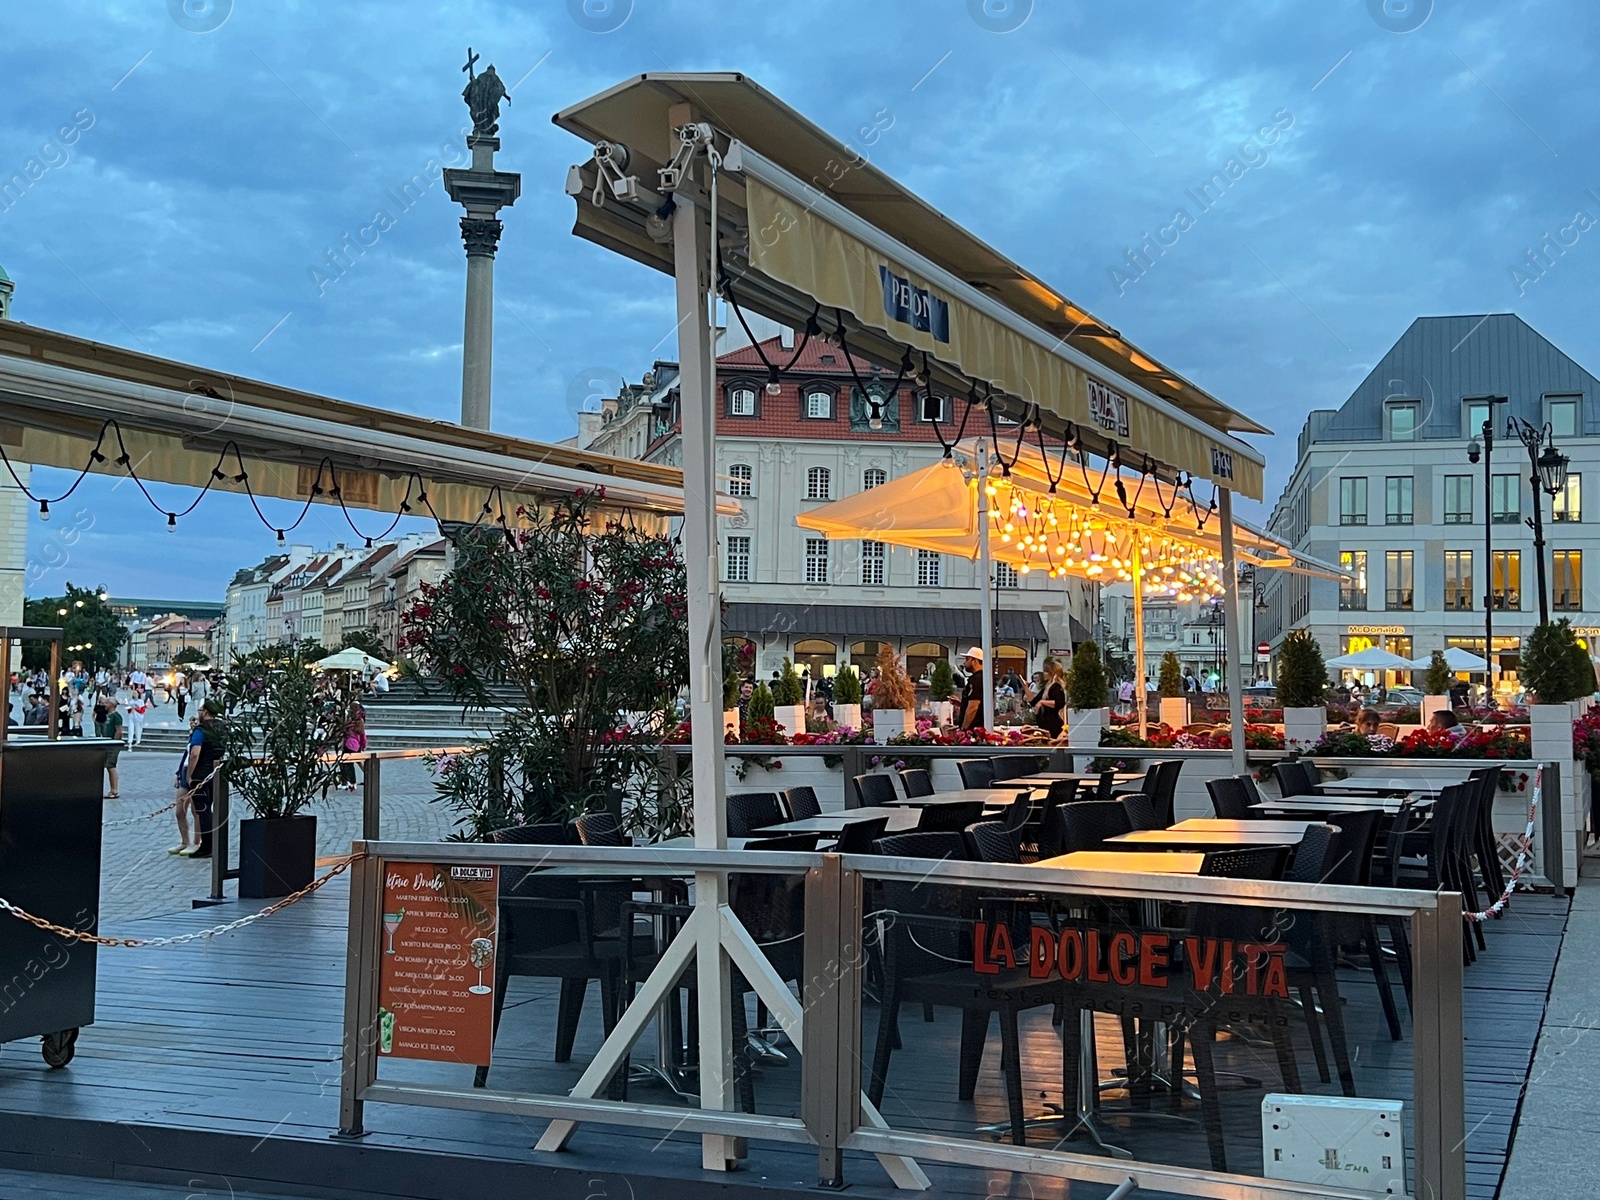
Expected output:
(178, 423)
(805, 218)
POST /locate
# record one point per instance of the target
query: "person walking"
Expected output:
(183, 805)
(971, 716)
(138, 709)
(355, 741)
(111, 728)
(182, 696)
(205, 752)
(1052, 701)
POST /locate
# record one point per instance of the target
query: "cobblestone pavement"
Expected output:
(138, 878)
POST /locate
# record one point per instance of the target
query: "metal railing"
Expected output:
(835, 1116)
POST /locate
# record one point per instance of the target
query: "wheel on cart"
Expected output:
(58, 1048)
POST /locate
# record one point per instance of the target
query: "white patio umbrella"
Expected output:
(1371, 659)
(1455, 658)
(352, 659)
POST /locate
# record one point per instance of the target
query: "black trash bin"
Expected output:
(50, 840)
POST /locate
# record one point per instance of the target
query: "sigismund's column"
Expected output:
(483, 192)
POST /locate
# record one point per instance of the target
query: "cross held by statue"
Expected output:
(471, 59)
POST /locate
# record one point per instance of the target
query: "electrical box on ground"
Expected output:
(1335, 1141)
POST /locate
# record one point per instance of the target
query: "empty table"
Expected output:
(1332, 804)
(1128, 862)
(1200, 839)
(997, 796)
(1294, 829)
(1400, 782)
(1044, 779)
(901, 820)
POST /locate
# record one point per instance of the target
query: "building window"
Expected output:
(928, 568)
(1398, 507)
(1473, 415)
(1399, 595)
(873, 555)
(1402, 422)
(738, 559)
(1562, 413)
(819, 405)
(742, 401)
(819, 483)
(1005, 575)
(1458, 499)
(1568, 503)
(1506, 580)
(1566, 587)
(739, 477)
(1458, 580)
(1353, 501)
(816, 560)
(1353, 590)
(933, 408)
(1505, 499)
(873, 477)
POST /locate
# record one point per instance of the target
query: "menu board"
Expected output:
(436, 978)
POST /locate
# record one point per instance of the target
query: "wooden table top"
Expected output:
(1212, 839)
(1132, 862)
(1331, 804)
(901, 820)
(1265, 825)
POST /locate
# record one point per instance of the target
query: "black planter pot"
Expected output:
(277, 855)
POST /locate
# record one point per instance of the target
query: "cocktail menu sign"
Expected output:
(436, 982)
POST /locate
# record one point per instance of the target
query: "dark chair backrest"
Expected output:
(874, 791)
(1015, 766)
(975, 772)
(859, 837)
(802, 803)
(1316, 856)
(1228, 799)
(917, 781)
(1249, 862)
(598, 829)
(992, 842)
(1108, 782)
(944, 818)
(788, 841)
(948, 845)
(1141, 811)
(1044, 831)
(1358, 836)
(1251, 789)
(749, 812)
(1087, 824)
(1019, 812)
(1062, 791)
(1164, 790)
(1291, 779)
(1312, 772)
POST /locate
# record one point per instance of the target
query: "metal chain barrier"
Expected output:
(76, 935)
(167, 808)
(1524, 855)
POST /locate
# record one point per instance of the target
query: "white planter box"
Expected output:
(730, 721)
(1433, 704)
(1084, 725)
(847, 714)
(943, 712)
(1304, 727)
(791, 718)
(889, 723)
(1174, 711)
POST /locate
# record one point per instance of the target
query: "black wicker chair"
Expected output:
(874, 791)
(1015, 766)
(860, 837)
(751, 812)
(975, 772)
(1141, 811)
(917, 782)
(1229, 800)
(1087, 824)
(949, 818)
(802, 803)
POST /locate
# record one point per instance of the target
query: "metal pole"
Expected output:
(1138, 638)
(692, 239)
(1232, 627)
(370, 783)
(1488, 556)
(1538, 531)
(986, 572)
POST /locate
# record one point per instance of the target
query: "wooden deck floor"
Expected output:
(219, 1061)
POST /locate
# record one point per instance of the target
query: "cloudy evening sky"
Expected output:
(1428, 145)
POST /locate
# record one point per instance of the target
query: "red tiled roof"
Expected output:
(810, 362)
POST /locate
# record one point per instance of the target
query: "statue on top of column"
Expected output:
(483, 94)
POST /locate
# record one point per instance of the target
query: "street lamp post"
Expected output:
(1548, 473)
(1487, 434)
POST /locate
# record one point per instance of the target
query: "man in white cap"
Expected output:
(971, 715)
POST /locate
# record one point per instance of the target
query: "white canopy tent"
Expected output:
(1373, 658)
(1455, 658)
(351, 658)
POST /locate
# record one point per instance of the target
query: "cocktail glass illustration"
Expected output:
(385, 1031)
(391, 922)
(481, 952)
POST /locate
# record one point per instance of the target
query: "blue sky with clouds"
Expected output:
(1423, 147)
